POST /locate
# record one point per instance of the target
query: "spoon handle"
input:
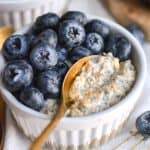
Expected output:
(37, 145)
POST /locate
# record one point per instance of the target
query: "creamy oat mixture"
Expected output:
(102, 82)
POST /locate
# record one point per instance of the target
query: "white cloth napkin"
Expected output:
(15, 140)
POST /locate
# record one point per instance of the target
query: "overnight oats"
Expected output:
(38, 60)
(102, 82)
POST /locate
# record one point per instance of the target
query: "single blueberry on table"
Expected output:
(32, 98)
(94, 42)
(15, 47)
(48, 36)
(71, 33)
(119, 46)
(46, 21)
(78, 52)
(43, 56)
(98, 27)
(17, 75)
(49, 83)
(137, 32)
(143, 124)
(75, 15)
(62, 53)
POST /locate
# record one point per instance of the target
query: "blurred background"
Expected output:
(17, 13)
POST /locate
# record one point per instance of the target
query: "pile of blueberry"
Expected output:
(37, 59)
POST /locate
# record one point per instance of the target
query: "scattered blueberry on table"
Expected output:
(143, 124)
(38, 60)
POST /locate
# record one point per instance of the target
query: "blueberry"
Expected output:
(75, 15)
(62, 53)
(137, 32)
(94, 42)
(49, 83)
(61, 68)
(32, 98)
(98, 27)
(49, 36)
(46, 21)
(119, 46)
(15, 47)
(43, 56)
(17, 75)
(30, 38)
(71, 33)
(78, 52)
(143, 124)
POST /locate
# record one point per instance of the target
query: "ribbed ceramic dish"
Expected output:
(17, 13)
(82, 133)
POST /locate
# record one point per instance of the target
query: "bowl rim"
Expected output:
(138, 83)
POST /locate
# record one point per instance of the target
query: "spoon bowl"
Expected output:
(70, 76)
(65, 103)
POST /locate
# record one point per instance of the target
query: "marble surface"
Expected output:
(126, 140)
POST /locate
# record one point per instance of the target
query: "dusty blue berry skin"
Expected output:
(94, 42)
(78, 52)
(143, 124)
(49, 83)
(32, 98)
(48, 36)
(75, 15)
(46, 21)
(62, 53)
(137, 32)
(30, 37)
(43, 56)
(15, 47)
(17, 75)
(61, 68)
(119, 46)
(98, 27)
(71, 33)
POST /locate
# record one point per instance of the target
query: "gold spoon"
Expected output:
(65, 104)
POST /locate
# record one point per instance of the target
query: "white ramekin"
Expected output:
(17, 13)
(88, 131)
